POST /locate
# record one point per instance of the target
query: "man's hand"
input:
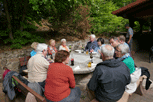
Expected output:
(128, 42)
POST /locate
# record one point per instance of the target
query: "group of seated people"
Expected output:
(56, 78)
(111, 78)
(116, 74)
(51, 47)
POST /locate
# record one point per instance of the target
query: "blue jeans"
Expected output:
(73, 97)
(130, 44)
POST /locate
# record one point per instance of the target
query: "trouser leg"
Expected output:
(90, 93)
(130, 44)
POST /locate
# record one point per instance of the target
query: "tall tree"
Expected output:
(8, 19)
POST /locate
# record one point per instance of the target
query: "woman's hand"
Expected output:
(91, 50)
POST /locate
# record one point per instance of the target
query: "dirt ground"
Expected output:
(141, 59)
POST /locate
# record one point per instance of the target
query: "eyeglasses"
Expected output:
(118, 51)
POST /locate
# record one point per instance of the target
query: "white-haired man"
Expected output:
(92, 44)
(109, 77)
(38, 64)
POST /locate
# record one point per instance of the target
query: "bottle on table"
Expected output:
(82, 49)
(91, 56)
(72, 60)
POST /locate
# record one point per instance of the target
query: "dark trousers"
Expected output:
(73, 97)
(130, 44)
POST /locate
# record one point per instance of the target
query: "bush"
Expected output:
(76, 24)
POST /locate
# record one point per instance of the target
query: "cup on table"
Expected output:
(89, 64)
(87, 52)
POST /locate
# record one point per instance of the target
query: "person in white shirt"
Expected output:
(38, 64)
(63, 45)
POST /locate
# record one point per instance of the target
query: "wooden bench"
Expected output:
(25, 90)
(140, 90)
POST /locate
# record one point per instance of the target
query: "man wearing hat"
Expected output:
(38, 64)
(129, 35)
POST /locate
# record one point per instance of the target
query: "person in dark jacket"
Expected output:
(109, 77)
(92, 44)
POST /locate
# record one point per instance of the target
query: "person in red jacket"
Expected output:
(6, 70)
(60, 82)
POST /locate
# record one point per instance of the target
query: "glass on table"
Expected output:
(87, 52)
(89, 64)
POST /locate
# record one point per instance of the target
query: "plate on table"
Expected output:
(94, 53)
(78, 51)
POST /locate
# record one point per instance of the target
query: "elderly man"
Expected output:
(129, 35)
(114, 41)
(38, 65)
(109, 77)
(92, 44)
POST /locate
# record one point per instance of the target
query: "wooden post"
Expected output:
(8, 19)
(131, 22)
(141, 25)
(152, 26)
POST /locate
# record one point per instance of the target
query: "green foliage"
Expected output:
(137, 26)
(22, 38)
(3, 33)
(67, 17)
(101, 18)
(121, 3)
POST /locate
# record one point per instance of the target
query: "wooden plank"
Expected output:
(39, 98)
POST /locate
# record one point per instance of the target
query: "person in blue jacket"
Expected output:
(34, 46)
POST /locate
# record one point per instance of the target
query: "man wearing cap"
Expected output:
(38, 64)
(129, 35)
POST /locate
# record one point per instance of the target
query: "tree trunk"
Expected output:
(24, 13)
(8, 19)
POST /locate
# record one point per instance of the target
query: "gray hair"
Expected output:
(63, 40)
(124, 48)
(108, 52)
(41, 47)
(93, 36)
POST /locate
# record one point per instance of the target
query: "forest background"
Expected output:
(20, 20)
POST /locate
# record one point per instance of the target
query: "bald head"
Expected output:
(107, 50)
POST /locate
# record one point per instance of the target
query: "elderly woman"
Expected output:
(63, 45)
(51, 48)
(34, 46)
(60, 82)
(122, 50)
